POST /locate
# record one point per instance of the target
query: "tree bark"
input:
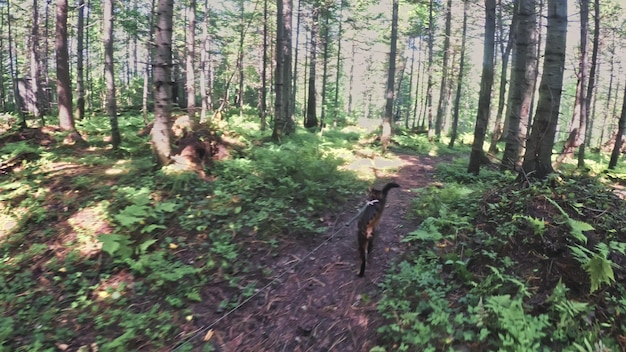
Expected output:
(190, 75)
(294, 79)
(444, 72)
(477, 155)
(592, 82)
(310, 119)
(13, 71)
(459, 87)
(339, 66)
(80, 71)
(161, 130)
(505, 51)
(239, 92)
(204, 64)
(389, 93)
(609, 93)
(579, 120)
(283, 121)
(523, 75)
(147, 69)
(35, 65)
(326, 13)
(538, 156)
(263, 102)
(429, 85)
(109, 74)
(620, 135)
(64, 87)
(409, 95)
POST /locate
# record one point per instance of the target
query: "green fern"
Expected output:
(538, 225)
(576, 227)
(596, 264)
(600, 268)
(428, 231)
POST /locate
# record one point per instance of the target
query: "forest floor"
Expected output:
(318, 303)
(547, 245)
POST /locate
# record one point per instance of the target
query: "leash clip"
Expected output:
(372, 202)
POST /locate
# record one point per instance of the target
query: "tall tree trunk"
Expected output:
(2, 90)
(87, 83)
(592, 80)
(617, 148)
(444, 71)
(521, 91)
(399, 97)
(505, 51)
(419, 86)
(204, 63)
(409, 95)
(295, 56)
(311, 108)
(594, 106)
(127, 67)
(579, 119)
(538, 155)
(239, 95)
(211, 74)
(161, 130)
(13, 70)
(477, 155)
(351, 78)
(305, 79)
(35, 65)
(429, 85)
(387, 131)
(609, 94)
(147, 69)
(325, 66)
(64, 87)
(263, 102)
(288, 67)
(109, 72)
(190, 75)
(539, 52)
(339, 66)
(459, 87)
(80, 83)
(46, 59)
(135, 44)
(283, 121)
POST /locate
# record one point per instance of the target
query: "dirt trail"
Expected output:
(321, 305)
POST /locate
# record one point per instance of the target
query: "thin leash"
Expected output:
(205, 329)
(368, 203)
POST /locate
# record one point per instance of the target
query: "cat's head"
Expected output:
(374, 193)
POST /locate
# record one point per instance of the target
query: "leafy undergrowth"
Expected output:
(100, 252)
(501, 266)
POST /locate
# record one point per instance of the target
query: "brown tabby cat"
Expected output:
(369, 219)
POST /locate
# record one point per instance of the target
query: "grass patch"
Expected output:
(497, 266)
(98, 249)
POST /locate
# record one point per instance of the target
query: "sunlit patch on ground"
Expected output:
(386, 164)
(88, 223)
(7, 225)
(120, 167)
(368, 167)
(114, 287)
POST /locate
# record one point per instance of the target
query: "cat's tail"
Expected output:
(389, 186)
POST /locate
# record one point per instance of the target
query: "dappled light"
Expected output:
(352, 176)
(88, 223)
